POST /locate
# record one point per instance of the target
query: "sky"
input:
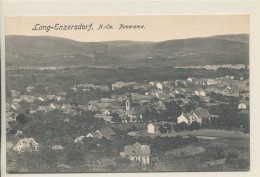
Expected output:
(156, 28)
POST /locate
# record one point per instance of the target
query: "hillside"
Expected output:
(49, 51)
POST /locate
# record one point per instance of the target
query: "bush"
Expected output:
(215, 152)
(194, 126)
(74, 157)
(21, 118)
(181, 127)
(162, 129)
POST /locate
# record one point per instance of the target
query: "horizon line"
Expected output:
(128, 39)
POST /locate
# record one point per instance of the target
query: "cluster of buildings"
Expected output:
(199, 115)
(131, 106)
(141, 98)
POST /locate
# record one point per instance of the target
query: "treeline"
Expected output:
(82, 156)
(62, 80)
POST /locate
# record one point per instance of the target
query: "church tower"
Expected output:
(128, 104)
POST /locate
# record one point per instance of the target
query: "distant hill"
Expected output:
(244, 38)
(54, 51)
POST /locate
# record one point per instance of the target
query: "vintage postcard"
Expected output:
(147, 93)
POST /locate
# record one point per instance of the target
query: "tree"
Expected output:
(173, 110)
(181, 127)
(134, 128)
(230, 157)
(116, 118)
(122, 163)
(194, 126)
(189, 107)
(162, 129)
(146, 115)
(21, 118)
(74, 157)
(169, 128)
(215, 152)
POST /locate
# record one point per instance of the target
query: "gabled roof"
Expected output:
(79, 139)
(120, 112)
(244, 101)
(106, 132)
(94, 135)
(201, 112)
(139, 109)
(137, 149)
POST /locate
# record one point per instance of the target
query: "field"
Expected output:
(201, 133)
(197, 156)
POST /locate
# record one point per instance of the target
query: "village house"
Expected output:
(141, 87)
(57, 147)
(200, 82)
(201, 115)
(105, 117)
(103, 88)
(103, 132)
(136, 112)
(27, 98)
(50, 97)
(106, 132)
(62, 93)
(211, 82)
(15, 101)
(59, 98)
(93, 135)
(152, 83)
(159, 106)
(103, 105)
(180, 83)
(29, 89)
(54, 106)
(26, 144)
(41, 98)
(179, 91)
(83, 107)
(32, 111)
(243, 105)
(79, 139)
(14, 93)
(121, 84)
(18, 133)
(189, 79)
(159, 86)
(118, 85)
(137, 152)
(188, 118)
(16, 106)
(44, 108)
(200, 93)
(66, 106)
(152, 128)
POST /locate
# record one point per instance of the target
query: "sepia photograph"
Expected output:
(133, 93)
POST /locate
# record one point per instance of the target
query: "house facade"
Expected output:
(152, 128)
(243, 105)
(137, 152)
